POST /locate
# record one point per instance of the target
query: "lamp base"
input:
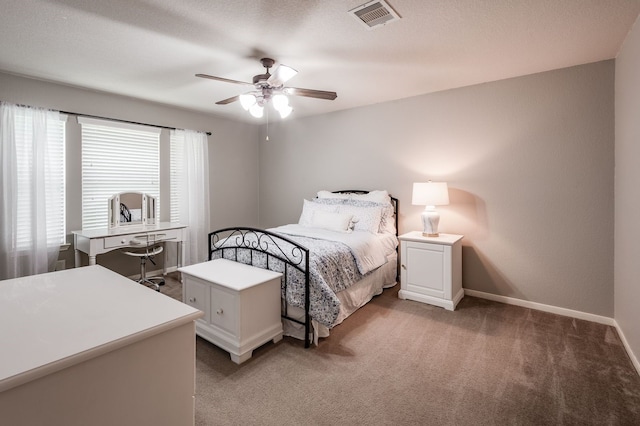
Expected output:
(430, 220)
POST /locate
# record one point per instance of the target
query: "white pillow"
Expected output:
(364, 218)
(387, 223)
(308, 207)
(340, 222)
(375, 196)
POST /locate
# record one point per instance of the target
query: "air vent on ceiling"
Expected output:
(374, 14)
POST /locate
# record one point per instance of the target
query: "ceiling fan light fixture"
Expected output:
(269, 88)
(285, 111)
(247, 100)
(256, 110)
(280, 101)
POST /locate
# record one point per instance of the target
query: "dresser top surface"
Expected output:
(49, 319)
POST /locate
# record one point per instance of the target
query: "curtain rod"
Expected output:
(112, 119)
(123, 121)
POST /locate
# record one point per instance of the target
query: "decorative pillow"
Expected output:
(364, 218)
(387, 222)
(340, 222)
(308, 207)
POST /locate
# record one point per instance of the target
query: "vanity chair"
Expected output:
(148, 253)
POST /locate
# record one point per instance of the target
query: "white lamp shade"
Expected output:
(430, 194)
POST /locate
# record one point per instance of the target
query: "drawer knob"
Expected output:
(404, 267)
(219, 311)
(192, 300)
(123, 241)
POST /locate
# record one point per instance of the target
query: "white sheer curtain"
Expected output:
(26, 248)
(194, 193)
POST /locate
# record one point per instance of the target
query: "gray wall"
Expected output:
(627, 154)
(232, 147)
(530, 167)
(529, 162)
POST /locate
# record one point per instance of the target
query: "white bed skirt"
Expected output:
(351, 299)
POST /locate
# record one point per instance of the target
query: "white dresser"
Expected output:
(87, 346)
(241, 305)
(431, 269)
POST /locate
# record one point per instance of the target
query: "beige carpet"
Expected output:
(399, 362)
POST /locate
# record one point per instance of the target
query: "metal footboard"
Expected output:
(266, 250)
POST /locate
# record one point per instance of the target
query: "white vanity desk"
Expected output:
(98, 241)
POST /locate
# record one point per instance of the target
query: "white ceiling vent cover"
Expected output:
(374, 14)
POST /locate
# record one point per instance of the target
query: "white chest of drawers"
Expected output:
(241, 305)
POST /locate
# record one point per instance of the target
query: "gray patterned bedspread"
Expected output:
(332, 268)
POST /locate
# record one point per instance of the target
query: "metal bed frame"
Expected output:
(281, 250)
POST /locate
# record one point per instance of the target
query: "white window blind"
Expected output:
(116, 157)
(54, 184)
(176, 166)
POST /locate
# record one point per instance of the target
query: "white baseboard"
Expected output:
(560, 311)
(541, 307)
(634, 359)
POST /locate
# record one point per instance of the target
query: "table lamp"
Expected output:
(430, 194)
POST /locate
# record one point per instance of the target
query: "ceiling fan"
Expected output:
(270, 87)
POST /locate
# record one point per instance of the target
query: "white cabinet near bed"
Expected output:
(241, 305)
(431, 269)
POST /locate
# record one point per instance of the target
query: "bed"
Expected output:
(341, 253)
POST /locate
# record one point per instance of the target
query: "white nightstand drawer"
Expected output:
(196, 295)
(223, 310)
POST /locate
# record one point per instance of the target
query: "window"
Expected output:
(54, 190)
(116, 157)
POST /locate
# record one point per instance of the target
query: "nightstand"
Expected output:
(431, 269)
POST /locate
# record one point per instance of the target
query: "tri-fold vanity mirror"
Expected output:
(132, 208)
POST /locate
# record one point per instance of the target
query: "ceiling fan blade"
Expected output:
(228, 101)
(226, 80)
(281, 75)
(309, 93)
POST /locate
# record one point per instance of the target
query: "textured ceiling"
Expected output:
(151, 49)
